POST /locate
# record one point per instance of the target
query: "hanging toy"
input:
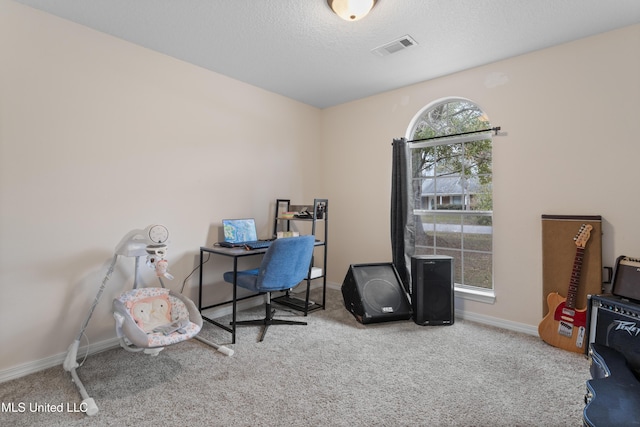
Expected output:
(155, 256)
(156, 260)
(161, 269)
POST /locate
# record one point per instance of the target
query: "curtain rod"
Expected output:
(494, 129)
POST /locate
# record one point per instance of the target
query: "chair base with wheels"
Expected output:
(268, 320)
(286, 263)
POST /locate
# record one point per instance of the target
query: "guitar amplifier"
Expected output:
(615, 322)
(626, 278)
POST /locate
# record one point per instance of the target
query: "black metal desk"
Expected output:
(237, 253)
(234, 253)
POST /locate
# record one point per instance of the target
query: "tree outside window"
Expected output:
(452, 193)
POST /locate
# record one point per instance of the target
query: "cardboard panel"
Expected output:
(559, 253)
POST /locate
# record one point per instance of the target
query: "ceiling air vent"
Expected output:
(394, 46)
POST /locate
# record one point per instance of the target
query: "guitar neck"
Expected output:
(572, 293)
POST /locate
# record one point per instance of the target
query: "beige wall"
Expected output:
(571, 114)
(99, 136)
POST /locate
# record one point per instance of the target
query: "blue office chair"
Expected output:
(285, 264)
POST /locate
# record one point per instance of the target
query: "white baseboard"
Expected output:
(55, 360)
(499, 323)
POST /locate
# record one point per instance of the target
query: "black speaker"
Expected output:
(374, 293)
(432, 297)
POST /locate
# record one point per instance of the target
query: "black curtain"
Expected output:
(402, 235)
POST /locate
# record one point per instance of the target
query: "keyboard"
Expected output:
(258, 244)
(252, 244)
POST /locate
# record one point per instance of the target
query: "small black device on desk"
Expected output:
(254, 244)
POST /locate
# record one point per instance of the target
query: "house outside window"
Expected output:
(451, 169)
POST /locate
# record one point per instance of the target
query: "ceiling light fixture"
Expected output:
(351, 10)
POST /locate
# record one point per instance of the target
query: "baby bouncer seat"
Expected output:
(147, 318)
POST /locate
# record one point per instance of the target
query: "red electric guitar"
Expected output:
(565, 326)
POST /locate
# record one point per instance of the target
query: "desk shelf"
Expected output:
(318, 218)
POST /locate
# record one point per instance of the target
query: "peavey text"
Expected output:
(630, 327)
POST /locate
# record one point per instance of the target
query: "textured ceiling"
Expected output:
(300, 49)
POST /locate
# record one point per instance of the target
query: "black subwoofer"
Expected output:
(432, 297)
(374, 293)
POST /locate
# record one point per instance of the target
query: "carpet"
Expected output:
(334, 371)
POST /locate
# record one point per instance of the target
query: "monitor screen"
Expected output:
(239, 230)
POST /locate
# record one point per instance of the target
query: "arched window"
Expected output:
(451, 171)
